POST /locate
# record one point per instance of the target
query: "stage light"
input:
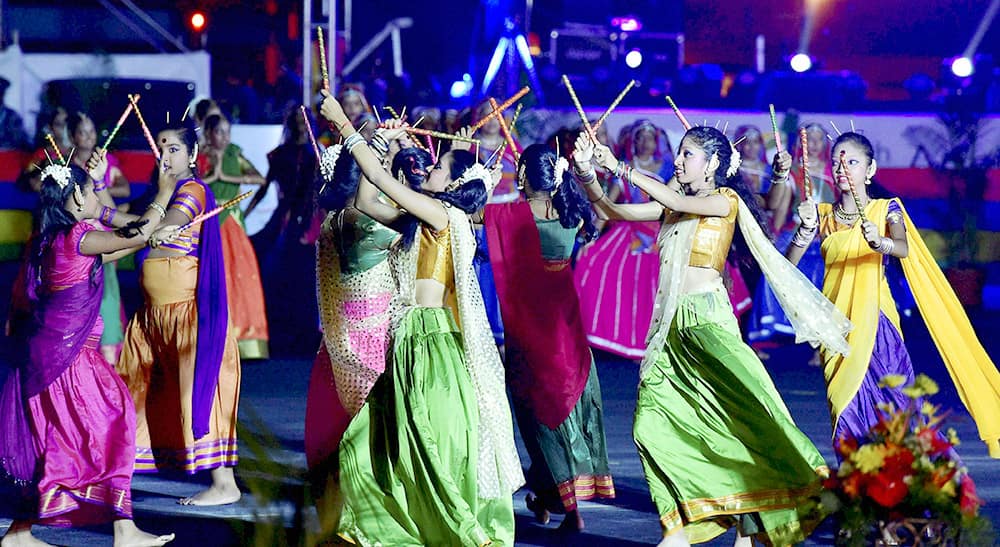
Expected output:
(627, 24)
(962, 67)
(197, 21)
(461, 88)
(801, 62)
(633, 59)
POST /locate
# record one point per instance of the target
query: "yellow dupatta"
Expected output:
(855, 283)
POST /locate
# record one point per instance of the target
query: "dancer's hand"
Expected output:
(583, 150)
(808, 214)
(462, 145)
(392, 129)
(163, 235)
(331, 110)
(870, 232)
(781, 164)
(605, 158)
(97, 165)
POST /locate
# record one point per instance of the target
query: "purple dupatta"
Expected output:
(213, 315)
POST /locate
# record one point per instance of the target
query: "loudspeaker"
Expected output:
(105, 99)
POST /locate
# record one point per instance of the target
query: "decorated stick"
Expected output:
(55, 147)
(322, 59)
(209, 214)
(806, 179)
(439, 135)
(391, 111)
(680, 116)
(579, 107)
(503, 106)
(774, 127)
(496, 154)
(850, 182)
(121, 121)
(309, 131)
(430, 148)
(145, 128)
(506, 130)
(614, 104)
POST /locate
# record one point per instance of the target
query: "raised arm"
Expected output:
(133, 235)
(425, 208)
(805, 233)
(586, 176)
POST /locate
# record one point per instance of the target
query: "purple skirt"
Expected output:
(888, 357)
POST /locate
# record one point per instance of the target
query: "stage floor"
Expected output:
(274, 393)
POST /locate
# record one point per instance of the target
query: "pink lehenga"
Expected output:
(67, 424)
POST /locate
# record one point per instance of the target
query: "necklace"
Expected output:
(844, 217)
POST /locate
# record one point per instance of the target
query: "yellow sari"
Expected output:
(855, 283)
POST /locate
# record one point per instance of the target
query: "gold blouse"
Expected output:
(714, 235)
(435, 260)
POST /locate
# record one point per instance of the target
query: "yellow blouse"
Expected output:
(435, 256)
(714, 235)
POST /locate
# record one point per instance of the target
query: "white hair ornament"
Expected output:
(62, 174)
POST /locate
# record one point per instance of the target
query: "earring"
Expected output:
(192, 164)
(707, 178)
(79, 208)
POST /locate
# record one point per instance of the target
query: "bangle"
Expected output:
(378, 143)
(100, 185)
(804, 236)
(886, 245)
(353, 140)
(603, 194)
(158, 208)
(107, 215)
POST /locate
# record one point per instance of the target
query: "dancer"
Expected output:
(439, 465)
(228, 169)
(112, 185)
(855, 260)
(709, 423)
(71, 463)
(180, 359)
(616, 275)
(550, 370)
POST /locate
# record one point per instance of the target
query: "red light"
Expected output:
(198, 21)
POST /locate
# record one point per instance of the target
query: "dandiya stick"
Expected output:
(579, 107)
(774, 127)
(391, 111)
(678, 113)
(496, 154)
(309, 131)
(614, 104)
(209, 214)
(145, 128)
(121, 121)
(322, 59)
(850, 182)
(430, 148)
(806, 179)
(55, 147)
(506, 130)
(439, 135)
(503, 106)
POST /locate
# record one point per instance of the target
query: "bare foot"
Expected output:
(222, 492)
(536, 506)
(19, 535)
(573, 523)
(127, 534)
(214, 495)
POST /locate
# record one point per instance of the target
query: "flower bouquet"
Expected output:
(903, 484)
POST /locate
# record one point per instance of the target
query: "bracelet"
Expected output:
(378, 143)
(352, 141)
(603, 194)
(886, 245)
(100, 185)
(804, 236)
(158, 208)
(586, 177)
(107, 215)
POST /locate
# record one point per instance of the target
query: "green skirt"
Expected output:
(408, 460)
(718, 446)
(569, 463)
(111, 308)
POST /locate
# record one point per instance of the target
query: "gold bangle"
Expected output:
(602, 196)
